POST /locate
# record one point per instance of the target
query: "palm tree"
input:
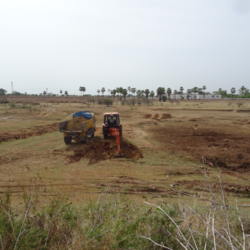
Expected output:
(61, 92)
(147, 93)
(66, 93)
(113, 92)
(98, 91)
(181, 89)
(188, 93)
(204, 88)
(44, 93)
(169, 92)
(129, 89)
(124, 93)
(160, 91)
(195, 90)
(82, 89)
(103, 90)
(133, 91)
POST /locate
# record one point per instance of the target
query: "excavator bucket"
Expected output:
(115, 132)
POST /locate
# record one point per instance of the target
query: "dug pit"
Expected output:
(102, 150)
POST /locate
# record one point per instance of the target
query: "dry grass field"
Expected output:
(163, 146)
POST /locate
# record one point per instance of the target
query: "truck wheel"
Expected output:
(67, 140)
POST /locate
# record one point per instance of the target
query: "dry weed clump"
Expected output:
(114, 222)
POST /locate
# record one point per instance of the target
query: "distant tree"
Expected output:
(124, 93)
(113, 92)
(243, 91)
(152, 94)
(175, 92)
(181, 89)
(3, 92)
(188, 93)
(98, 91)
(164, 98)
(129, 89)
(103, 90)
(160, 91)
(200, 92)
(82, 89)
(66, 93)
(147, 92)
(195, 90)
(169, 92)
(61, 92)
(44, 93)
(204, 88)
(107, 101)
(233, 91)
(133, 91)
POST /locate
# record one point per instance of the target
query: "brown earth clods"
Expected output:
(218, 149)
(103, 150)
(29, 132)
(158, 116)
(75, 124)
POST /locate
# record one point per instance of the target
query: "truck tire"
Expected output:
(67, 140)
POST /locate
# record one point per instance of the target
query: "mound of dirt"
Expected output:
(75, 124)
(103, 150)
(158, 116)
(25, 133)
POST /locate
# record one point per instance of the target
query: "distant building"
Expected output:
(195, 97)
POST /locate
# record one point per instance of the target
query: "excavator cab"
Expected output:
(112, 127)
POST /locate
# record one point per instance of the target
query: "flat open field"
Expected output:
(163, 146)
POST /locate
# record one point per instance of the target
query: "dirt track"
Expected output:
(25, 133)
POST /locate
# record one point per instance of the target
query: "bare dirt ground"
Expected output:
(163, 148)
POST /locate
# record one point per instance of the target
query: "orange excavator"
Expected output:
(113, 127)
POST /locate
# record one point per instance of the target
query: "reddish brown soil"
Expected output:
(157, 116)
(103, 150)
(25, 133)
(219, 148)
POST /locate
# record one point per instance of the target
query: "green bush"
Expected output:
(107, 101)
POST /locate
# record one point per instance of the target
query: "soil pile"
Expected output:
(75, 124)
(25, 133)
(103, 150)
(158, 116)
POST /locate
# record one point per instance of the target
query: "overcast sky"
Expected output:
(59, 44)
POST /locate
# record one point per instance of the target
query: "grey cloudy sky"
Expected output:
(59, 44)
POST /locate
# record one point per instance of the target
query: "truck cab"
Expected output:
(111, 120)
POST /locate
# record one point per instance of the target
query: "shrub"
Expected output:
(164, 98)
(107, 102)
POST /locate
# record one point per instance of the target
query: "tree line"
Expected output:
(161, 92)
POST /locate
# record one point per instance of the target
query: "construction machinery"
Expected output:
(79, 127)
(4, 101)
(112, 126)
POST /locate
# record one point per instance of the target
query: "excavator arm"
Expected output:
(115, 132)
